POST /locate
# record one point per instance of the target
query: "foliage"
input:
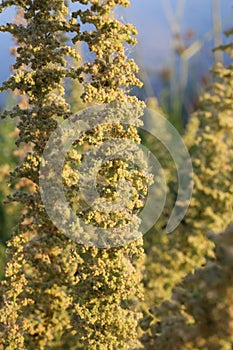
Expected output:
(209, 138)
(8, 159)
(111, 73)
(33, 311)
(10, 154)
(58, 293)
(109, 283)
(200, 316)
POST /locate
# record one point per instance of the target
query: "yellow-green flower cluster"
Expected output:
(57, 293)
(108, 279)
(111, 72)
(35, 297)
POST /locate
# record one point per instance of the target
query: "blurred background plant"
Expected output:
(177, 83)
(7, 159)
(8, 214)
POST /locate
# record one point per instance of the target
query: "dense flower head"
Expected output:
(58, 293)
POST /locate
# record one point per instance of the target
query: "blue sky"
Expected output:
(152, 19)
(154, 26)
